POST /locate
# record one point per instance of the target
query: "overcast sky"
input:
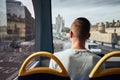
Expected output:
(29, 5)
(94, 10)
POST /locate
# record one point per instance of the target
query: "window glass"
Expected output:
(103, 15)
(17, 35)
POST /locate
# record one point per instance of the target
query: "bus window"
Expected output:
(103, 15)
(17, 35)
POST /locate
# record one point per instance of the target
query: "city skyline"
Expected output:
(95, 10)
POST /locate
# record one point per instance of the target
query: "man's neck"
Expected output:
(78, 45)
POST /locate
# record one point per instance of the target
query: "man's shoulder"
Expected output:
(92, 54)
(95, 56)
(66, 52)
(63, 52)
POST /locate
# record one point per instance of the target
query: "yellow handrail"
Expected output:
(96, 73)
(23, 71)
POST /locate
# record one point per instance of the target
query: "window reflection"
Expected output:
(17, 35)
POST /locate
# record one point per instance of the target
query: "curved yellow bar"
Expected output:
(23, 71)
(96, 73)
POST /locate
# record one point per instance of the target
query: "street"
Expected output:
(11, 60)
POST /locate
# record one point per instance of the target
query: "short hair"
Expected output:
(81, 27)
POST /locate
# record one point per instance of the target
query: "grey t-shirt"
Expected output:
(78, 63)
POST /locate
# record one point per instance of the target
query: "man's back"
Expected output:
(78, 63)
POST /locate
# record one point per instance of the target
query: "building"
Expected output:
(16, 22)
(104, 32)
(15, 19)
(29, 25)
(19, 21)
(60, 23)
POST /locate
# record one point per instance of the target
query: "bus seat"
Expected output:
(106, 74)
(42, 73)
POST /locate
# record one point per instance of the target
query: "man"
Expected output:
(77, 60)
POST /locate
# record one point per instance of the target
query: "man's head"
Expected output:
(80, 29)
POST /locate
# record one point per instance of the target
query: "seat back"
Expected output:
(107, 74)
(42, 73)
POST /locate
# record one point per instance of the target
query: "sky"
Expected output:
(95, 10)
(29, 5)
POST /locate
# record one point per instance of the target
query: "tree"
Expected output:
(66, 29)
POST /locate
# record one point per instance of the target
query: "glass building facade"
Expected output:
(3, 16)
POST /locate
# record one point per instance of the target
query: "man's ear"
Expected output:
(71, 34)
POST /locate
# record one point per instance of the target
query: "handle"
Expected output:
(23, 70)
(102, 60)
